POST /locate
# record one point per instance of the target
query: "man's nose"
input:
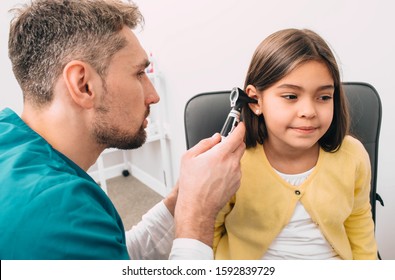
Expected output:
(152, 96)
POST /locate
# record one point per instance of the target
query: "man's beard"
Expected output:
(113, 137)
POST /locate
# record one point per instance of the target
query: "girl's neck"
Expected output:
(291, 161)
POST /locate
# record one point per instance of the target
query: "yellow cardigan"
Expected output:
(336, 195)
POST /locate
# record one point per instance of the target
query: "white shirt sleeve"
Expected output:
(190, 249)
(152, 239)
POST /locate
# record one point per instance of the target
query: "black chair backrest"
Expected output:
(365, 113)
(206, 113)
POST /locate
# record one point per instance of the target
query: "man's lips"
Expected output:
(145, 122)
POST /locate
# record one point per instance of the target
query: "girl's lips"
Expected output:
(305, 129)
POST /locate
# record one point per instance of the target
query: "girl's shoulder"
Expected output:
(352, 144)
(253, 153)
(351, 147)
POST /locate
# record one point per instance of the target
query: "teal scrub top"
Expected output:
(50, 207)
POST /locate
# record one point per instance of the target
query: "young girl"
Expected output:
(305, 188)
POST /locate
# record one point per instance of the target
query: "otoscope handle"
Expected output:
(231, 122)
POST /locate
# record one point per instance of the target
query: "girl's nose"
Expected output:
(307, 109)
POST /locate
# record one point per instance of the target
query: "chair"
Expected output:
(365, 113)
(205, 114)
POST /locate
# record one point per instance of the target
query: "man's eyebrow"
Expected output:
(143, 64)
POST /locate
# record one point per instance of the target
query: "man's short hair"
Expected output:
(47, 34)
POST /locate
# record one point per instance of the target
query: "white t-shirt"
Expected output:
(301, 238)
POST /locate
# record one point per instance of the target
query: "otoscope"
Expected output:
(237, 100)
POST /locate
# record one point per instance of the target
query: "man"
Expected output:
(82, 73)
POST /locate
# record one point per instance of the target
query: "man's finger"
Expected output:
(240, 150)
(204, 145)
(233, 141)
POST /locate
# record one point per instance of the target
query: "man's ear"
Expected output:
(78, 77)
(252, 92)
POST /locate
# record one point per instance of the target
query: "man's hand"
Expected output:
(209, 176)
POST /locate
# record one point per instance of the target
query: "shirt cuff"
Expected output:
(190, 249)
(164, 214)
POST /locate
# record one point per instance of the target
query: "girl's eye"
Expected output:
(289, 96)
(325, 97)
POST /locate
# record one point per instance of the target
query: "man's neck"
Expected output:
(66, 131)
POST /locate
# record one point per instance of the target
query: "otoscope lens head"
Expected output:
(234, 96)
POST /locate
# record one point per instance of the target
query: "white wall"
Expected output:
(207, 45)
(10, 93)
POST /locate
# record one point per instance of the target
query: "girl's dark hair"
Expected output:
(276, 57)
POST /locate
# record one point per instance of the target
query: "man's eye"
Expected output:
(140, 74)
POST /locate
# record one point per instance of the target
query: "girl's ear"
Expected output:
(252, 92)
